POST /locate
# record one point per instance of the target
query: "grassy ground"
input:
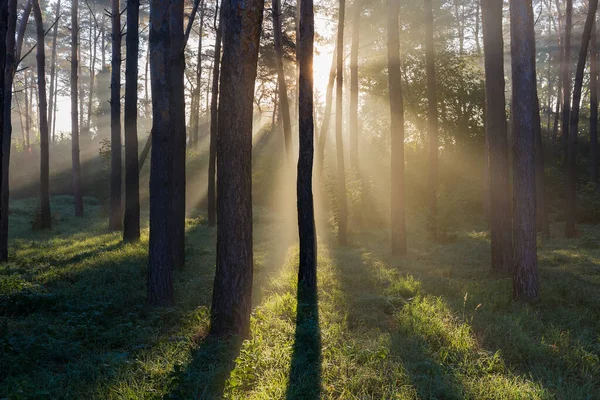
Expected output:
(435, 324)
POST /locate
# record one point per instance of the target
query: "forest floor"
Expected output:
(434, 324)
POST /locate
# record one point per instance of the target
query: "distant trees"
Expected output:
(284, 106)
(524, 94)
(594, 104)
(77, 193)
(342, 217)
(397, 130)
(115, 214)
(354, 84)
(496, 139)
(432, 118)
(231, 304)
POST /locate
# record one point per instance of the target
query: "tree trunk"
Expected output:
(214, 111)
(477, 17)
(54, 106)
(543, 224)
(594, 105)
(75, 112)
(93, 47)
(115, 222)
(326, 114)
(178, 129)
(432, 119)
(307, 271)
(354, 85)
(232, 293)
(398, 219)
(27, 109)
(160, 254)
(570, 213)
(566, 75)
(525, 274)
(195, 113)
(131, 221)
(53, 72)
(284, 106)
(339, 144)
(45, 216)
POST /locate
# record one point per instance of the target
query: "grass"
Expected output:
(434, 324)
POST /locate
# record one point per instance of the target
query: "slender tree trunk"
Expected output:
(27, 109)
(178, 129)
(339, 144)
(102, 40)
(397, 130)
(147, 110)
(214, 126)
(45, 216)
(354, 85)
(566, 75)
(77, 194)
(195, 113)
(131, 221)
(594, 105)
(284, 106)
(115, 222)
(326, 114)
(525, 274)
(54, 106)
(307, 271)
(432, 118)
(477, 18)
(543, 224)
(160, 254)
(53, 71)
(93, 47)
(570, 213)
(232, 293)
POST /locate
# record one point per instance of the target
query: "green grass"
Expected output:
(434, 324)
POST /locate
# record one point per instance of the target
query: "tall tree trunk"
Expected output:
(102, 40)
(307, 271)
(327, 114)
(525, 274)
(594, 105)
(75, 111)
(543, 224)
(214, 124)
(496, 130)
(232, 293)
(45, 216)
(54, 106)
(398, 221)
(477, 18)
(131, 221)
(284, 106)
(339, 144)
(432, 118)
(570, 213)
(160, 255)
(195, 113)
(566, 75)
(354, 85)
(115, 222)
(93, 47)
(53, 71)
(27, 109)
(178, 129)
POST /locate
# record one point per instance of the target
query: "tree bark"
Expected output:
(570, 213)
(195, 113)
(232, 293)
(131, 220)
(284, 106)
(432, 118)
(339, 144)
(525, 274)
(214, 125)
(307, 271)
(543, 224)
(45, 216)
(354, 85)
(77, 194)
(160, 255)
(53, 72)
(115, 222)
(566, 75)
(594, 105)
(398, 219)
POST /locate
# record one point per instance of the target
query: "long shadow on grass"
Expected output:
(305, 369)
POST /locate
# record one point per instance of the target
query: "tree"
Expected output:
(495, 130)
(77, 194)
(131, 221)
(115, 222)
(326, 114)
(53, 72)
(45, 216)
(214, 122)
(397, 130)
(432, 117)
(284, 106)
(195, 106)
(524, 94)
(307, 271)
(570, 230)
(354, 85)
(594, 104)
(232, 293)
(566, 73)
(339, 144)
(160, 248)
